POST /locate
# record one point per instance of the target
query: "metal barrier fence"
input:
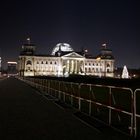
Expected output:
(116, 106)
(137, 112)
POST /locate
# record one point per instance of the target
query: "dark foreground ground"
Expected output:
(26, 115)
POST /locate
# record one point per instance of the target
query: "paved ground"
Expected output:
(26, 115)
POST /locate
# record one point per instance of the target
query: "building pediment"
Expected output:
(73, 55)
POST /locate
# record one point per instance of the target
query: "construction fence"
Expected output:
(118, 107)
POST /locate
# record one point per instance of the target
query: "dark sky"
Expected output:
(81, 23)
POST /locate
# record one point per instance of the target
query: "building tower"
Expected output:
(28, 48)
(26, 59)
(107, 59)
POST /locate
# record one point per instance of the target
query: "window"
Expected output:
(108, 65)
(96, 69)
(89, 70)
(29, 62)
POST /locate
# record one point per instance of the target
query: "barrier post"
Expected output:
(135, 118)
(79, 98)
(110, 105)
(59, 91)
(90, 101)
(132, 116)
(64, 93)
(135, 114)
(71, 96)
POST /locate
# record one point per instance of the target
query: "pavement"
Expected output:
(27, 115)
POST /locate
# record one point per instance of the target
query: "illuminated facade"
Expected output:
(64, 61)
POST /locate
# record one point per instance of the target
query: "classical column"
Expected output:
(76, 66)
(72, 66)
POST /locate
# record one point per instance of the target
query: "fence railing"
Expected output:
(137, 112)
(117, 107)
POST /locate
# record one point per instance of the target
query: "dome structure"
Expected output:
(63, 47)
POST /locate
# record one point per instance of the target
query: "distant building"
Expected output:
(12, 68)
(64, 61)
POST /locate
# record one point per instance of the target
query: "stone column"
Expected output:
(72, 66)
(76, 66)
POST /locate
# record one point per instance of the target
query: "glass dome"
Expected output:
(64, 47)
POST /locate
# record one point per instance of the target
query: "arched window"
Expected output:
(108, 65)
(28, 62)
(89, 70)
(96, 69)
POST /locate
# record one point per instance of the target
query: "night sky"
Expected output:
(81, 23)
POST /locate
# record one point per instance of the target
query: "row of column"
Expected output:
(72, 66)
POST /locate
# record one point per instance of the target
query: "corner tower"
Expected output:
(28, 48)
(26, 59)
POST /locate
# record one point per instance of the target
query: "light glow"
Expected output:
(63, 47)
(11, 62)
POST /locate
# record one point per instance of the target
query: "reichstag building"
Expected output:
(64, 61)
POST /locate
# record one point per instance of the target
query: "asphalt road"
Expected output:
(26, 115)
